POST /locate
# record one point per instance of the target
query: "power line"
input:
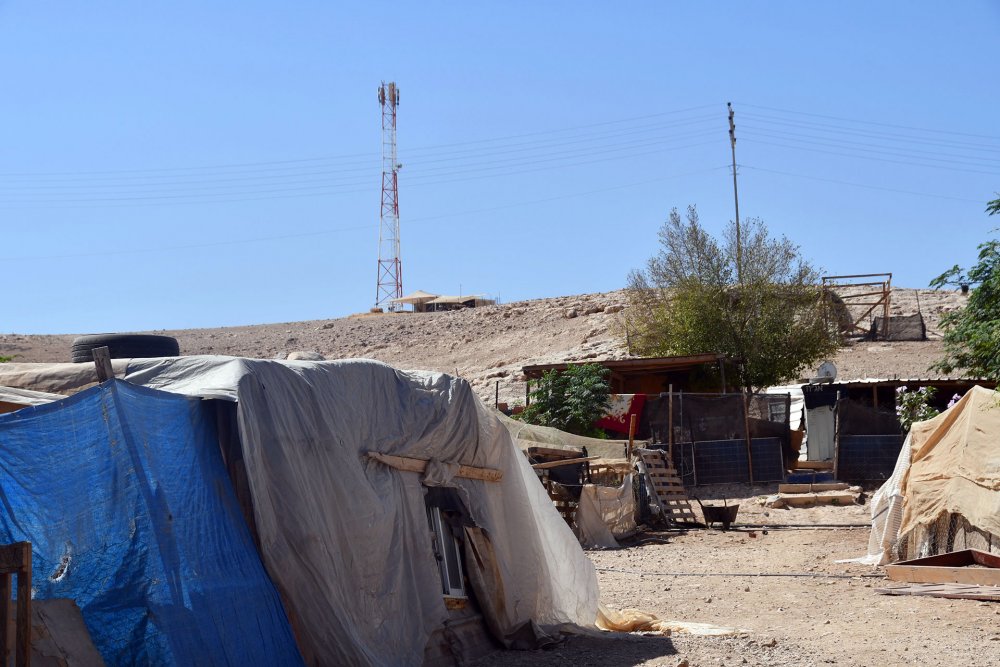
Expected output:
(876, 148)
(830, 128)
(868, 122)
(296, 235)
(369, 155)
(859, 185)
(877, 159)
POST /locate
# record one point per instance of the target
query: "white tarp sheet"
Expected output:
(345, 538)
(605, 513)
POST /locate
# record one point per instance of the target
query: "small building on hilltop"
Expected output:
(425, 302)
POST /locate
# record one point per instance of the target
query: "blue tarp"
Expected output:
(122, 492)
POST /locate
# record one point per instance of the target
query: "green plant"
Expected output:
(570, 400)
(4, 360)
(757, 301)
(914, 406)
(972, 334)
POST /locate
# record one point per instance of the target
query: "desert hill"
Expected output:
(491, 344)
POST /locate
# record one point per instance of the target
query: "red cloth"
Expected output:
(622, 407)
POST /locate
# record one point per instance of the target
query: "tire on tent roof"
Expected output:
(125, 346)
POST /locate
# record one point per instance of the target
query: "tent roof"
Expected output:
(457, 299)
(419, 296)
(955, 465)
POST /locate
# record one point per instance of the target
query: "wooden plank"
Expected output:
(102, 360)
(23, 638)
(565, 462)
(409, 464)
(810, 488)
(915, 574)
(14, 557)
(813, 499)
(5, 618)
(555, 453)
(813, 465)
(952, 591)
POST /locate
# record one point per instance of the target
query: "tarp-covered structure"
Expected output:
(345, 538)
(122, 492)
(944, 493)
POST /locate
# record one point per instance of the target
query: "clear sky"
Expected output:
(186, 164)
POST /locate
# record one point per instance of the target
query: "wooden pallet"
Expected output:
(667, 486)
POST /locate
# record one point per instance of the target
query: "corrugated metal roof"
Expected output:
(903, 381)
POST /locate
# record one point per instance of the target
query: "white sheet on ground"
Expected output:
(346, 538)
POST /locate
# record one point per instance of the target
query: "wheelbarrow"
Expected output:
(726, 514)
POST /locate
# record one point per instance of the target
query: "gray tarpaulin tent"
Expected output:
(345, 538)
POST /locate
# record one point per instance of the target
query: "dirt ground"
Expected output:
(796, 605)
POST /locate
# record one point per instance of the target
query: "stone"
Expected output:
(305, 355)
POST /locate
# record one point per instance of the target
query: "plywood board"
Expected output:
(968, 566)
(954, 591)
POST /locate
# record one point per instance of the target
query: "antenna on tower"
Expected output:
(390, 268)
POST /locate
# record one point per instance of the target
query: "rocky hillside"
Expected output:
(492, 344)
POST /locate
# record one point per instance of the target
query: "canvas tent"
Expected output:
(944, 493)
(344, 537)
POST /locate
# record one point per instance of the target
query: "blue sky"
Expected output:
(187, 164)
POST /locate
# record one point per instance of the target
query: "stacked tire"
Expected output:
(125, 346)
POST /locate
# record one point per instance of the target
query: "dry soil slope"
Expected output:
(491, 344)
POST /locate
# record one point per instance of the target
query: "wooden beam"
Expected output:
(102, 360)
(5, 591)
(16, 559)
(811, 488)
(409, 464)
(564, 462)
(23, 636)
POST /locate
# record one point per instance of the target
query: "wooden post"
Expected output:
(836, 439)
(102, 360)
(527, 392)
(496, 402)
(16, 559)
(5, 591)
(23, 637)
(746, 428)
(670, 421)
(631, 438)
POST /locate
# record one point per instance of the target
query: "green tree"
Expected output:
(767, 314)
(972, 334)
(571, 400)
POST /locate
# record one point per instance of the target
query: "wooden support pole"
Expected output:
(746, 428)
(631, 437)
(496, 401)
(102, 361)
(670, 421)
(15, 559)
(5, 591)
(409, 464)
(23, 636)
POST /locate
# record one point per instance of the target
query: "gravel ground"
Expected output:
(827, 613)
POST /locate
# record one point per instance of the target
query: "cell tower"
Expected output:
(390, 268)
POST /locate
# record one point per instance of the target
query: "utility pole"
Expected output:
(736, 197)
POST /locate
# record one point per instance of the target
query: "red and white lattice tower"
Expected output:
(390, 268)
